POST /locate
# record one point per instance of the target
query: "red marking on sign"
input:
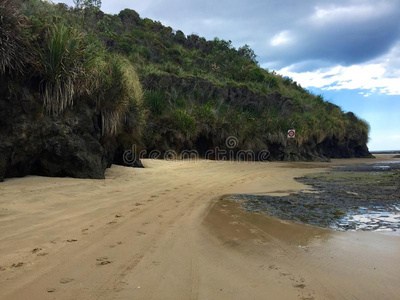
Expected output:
(291, 133)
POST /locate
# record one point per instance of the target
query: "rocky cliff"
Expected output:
(33, 142)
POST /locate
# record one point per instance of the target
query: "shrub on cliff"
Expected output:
(14, 43)
(115, 88)
(61, 66)
(69, 65)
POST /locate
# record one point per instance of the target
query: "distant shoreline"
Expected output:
(386, 152)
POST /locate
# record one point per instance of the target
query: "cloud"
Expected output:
(286, 32)
(332, 14)
(346, 35)
(381, 75)
(281, 38)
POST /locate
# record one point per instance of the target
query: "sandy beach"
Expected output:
(168, 232)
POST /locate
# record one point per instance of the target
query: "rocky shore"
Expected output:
(360, 197)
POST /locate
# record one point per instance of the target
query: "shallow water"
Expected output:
(375, 219)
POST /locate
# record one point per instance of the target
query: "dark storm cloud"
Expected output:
(307, 33)
(344, 35)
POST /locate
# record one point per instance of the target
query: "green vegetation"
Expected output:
(115, 88)
(61, 66)
(81, 55)
(70, 65)
(14, 47)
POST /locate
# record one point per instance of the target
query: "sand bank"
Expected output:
(165, 233)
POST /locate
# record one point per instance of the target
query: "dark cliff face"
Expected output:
(35, 143)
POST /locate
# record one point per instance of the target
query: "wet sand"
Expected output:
(167, 232)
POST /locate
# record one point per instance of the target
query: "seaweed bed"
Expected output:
(360, 197)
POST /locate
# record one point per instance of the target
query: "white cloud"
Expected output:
(281, 38)
(334, 13)
(380, 75)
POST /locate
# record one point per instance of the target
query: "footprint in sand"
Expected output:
(112, 222)
(118, 215)
(138, 204)
(36, 250)
(71, 240)
(102, 261)
(140, 233)
(51, 290)
(259, 242)
(299, 286)
(42, 254)
(273, 267)
(113, 245)
(17, 265)
(66, 280)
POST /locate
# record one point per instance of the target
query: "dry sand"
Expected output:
(164, 232)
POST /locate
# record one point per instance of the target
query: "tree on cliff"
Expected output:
(82, 4)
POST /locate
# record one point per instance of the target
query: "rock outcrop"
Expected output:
(35, 143)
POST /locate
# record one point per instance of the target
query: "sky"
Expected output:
(346, 50)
